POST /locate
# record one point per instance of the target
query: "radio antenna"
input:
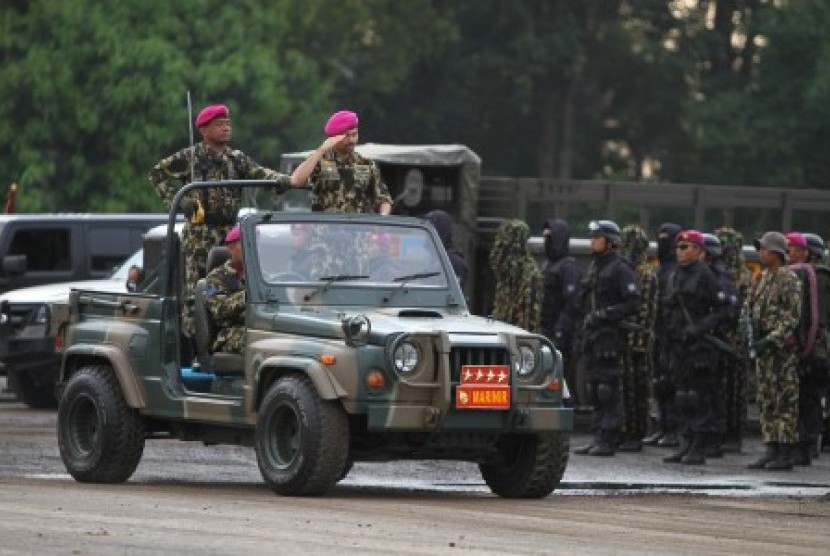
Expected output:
(190, 128)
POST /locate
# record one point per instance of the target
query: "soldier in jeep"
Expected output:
(225, 297)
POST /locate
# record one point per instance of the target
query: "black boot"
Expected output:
(631, 444)
(783, 460)
(653, 438)
(732, 444)
(669, 440)
(769, 455)
(714, 446)
(803, 455)
(677, 457)
(696, 454)
(606, 446)
(584, 450)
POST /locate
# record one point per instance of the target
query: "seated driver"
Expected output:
(225, 297)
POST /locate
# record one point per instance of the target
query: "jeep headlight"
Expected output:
(406, 357)
(527, 360)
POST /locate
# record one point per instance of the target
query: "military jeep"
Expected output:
(359, 347)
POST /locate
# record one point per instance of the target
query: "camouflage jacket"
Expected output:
(350, 184)
(519, 282)
(220, 205)
(635, 249)
(225, 296)
(774, 306)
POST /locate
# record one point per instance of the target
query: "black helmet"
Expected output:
(815, 245)
(712, 245)
(605, 228)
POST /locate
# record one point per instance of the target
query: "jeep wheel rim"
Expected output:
(83, 426)
(284, 437)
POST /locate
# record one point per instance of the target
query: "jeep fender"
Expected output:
(326, 385)
(118, 362)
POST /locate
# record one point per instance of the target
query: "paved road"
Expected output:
(187, 498)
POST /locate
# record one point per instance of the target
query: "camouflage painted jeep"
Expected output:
(359, 348)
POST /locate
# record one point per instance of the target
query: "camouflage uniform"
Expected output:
(735, 372)
(518, 296)
(225, 299)
(349, 184)
(220, 205)
(773, 306)
(637, 358)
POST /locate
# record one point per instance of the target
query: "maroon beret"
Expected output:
(340, 122)
(691, 236)
(210, 113)
(233, 235)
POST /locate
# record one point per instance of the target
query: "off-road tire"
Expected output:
(527, 466)
(301, 440)
(36, 396)
(101, 438)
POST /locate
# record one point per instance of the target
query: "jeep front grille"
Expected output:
(475, 356)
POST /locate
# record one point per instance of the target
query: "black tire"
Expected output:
(36, 396)
(301, 441)
(528, 466)
(101, 439)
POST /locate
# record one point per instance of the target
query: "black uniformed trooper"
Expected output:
(816, 247)
(666, 432)
(608, 294)
(562, 277)
(712, 253)
(695, 306)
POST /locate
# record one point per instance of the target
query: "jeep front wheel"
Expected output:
(527, 466)
(101, 438)
(301, 440)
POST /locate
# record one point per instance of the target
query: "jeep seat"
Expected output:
(218, 363)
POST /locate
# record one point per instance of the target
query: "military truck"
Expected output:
(359, 347)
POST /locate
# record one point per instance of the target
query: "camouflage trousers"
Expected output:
(636, 379)
(230, 340)
(777, 375)
(197, 241)
(734, 390)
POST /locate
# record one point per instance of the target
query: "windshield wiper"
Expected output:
(329, 280)
(405, 279)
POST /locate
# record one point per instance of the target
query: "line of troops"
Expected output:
(686, 335)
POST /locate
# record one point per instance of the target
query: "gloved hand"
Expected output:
(594, 319)
(691, 333)
(762, 346)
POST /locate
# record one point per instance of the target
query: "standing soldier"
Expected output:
(735, 370)
(609, 294)
(210, 213)
(637, 360)
(341, 179)
(812, 364)
(772, 309)
(666, 433)
(815, 249)
(694, 308)
(712, 256)
(518, 299)
(562, 276)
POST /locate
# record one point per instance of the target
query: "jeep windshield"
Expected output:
(343, 254)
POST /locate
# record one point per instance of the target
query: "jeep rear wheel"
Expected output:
(301, 440)
(527, 466)
(101, 438)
